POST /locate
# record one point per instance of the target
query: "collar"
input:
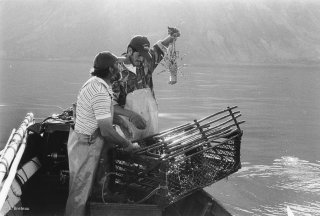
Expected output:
(100, 81)
(130, 67)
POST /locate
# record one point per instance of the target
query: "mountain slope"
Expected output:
(219, 31)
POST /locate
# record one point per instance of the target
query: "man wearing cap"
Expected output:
(136, 108)
(93, 129)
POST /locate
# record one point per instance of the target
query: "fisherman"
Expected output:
(93, 129)
(135, 101)
(135, 109)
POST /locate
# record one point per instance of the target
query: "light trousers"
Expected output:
(83, 153)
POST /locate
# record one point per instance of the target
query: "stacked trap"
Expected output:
(176, 162)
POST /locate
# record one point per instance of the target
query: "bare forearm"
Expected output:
(137, 120)
(118, 110)
(167, 40)
(112, 136)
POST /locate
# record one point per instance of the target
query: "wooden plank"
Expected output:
(118, 209)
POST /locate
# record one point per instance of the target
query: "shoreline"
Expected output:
(204, 63)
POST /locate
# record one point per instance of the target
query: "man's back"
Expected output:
(93, 103)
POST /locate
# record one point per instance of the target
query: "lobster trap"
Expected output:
(177, 162)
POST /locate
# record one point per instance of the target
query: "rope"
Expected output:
(103, 185)
(138, 202)
(152, 193)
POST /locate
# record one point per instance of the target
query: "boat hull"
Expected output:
(199, 203)
(41, 183)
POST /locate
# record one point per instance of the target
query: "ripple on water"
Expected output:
(292, 175)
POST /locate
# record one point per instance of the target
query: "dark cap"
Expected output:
(104, 59)
(141, 44)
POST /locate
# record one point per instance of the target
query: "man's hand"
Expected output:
(173, 32)
(131, 147)
(138, 121)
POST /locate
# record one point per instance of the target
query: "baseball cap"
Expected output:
(142, 45)
(104, 59)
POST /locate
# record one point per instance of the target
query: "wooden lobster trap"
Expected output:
(176, 162)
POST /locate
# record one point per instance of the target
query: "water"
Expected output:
(280, 104)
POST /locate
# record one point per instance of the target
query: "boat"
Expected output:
(34, 168)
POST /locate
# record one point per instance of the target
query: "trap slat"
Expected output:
(174, 163)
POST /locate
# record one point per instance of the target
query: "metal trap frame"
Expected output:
(176, 162)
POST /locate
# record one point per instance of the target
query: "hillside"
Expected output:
(217, 31)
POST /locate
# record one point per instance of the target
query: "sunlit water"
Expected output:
(280, 146)
(269, 189)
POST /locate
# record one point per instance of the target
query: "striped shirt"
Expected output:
(93, 103)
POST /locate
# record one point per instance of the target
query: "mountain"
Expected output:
(216, 31)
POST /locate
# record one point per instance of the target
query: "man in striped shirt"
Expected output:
(93, 131)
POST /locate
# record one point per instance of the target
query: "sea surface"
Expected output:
(280, 151)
